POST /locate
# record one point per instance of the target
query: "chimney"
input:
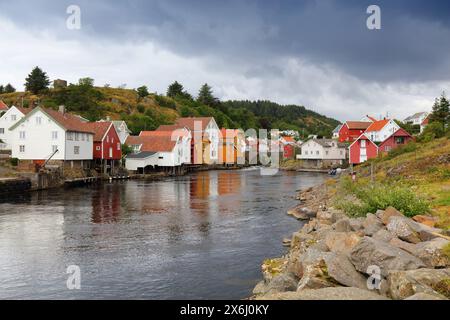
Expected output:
(62, 109)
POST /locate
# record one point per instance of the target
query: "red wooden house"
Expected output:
(397, 139)
(351, 130)
(107, 146)
(288, 144)
(362, 149)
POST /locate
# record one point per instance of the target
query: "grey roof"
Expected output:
(336, 130)
(415, 116)
(140, 155)
(326, 143)
(118, 123)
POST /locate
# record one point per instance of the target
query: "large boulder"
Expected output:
(404, 284)
(412, 231)
(401, 228)
(281, 283)
(370, 252)
(426, 220)
(327, 269)
(302, 213)
(388, 213)
(372, 224)
(341, 242)
(342, 225)
(356, 223)
(430, 252)
(383, 235)
(337, 293)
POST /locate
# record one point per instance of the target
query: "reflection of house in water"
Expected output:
(106, 204)
(200, 192)
(228, 183)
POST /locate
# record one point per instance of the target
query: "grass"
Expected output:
(415, 179)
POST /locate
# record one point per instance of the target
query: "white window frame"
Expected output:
(76, 150)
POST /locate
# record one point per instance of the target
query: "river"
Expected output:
(201, 236)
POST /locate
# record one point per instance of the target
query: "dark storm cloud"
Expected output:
(413, 45)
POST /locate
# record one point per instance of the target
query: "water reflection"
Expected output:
(193, 237)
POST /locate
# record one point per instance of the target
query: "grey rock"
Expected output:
(302, 213)
(343, 225)
(282, 282)
(342, 270)
(400, 227)
(370, 252)
(383, 235)
(356, 224)
(388, 213)
(337, 293)
(426, 296)
(430, 252)
(341, 242)
(404, 284)
(260, 288)
(372, 224)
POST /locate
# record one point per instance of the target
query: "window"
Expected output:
(54, 149)
(22, 149)
(326, 152)
(306, 153)
(341, 152)
(13, 117)
(2, 130)
(76, 150)
(317, 152)
(83, 136)
(70, 136)
(118, 146)
(54, 135)
(87, 137)
(363, 143)
(400, 140)
(22, 135)
(77, 136)
(387, 148)
(98, 148)
(107, 139)
(38, 120)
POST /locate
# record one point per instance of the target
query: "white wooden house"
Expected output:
(9, 118)
(380, 130)
(49, 134)
(159, 149)
(323, 153)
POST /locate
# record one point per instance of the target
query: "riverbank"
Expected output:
(343, 252)
(382, 256)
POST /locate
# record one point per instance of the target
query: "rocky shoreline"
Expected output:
(334, 257)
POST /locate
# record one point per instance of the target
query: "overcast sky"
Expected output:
(319, 54)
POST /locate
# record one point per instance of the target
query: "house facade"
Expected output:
(205, 139)
(122, 130)
(288, 144)
(9, 118)
(351, 130)
(46, 134)
(417, 118)
(362, 149)
(335, 132)
(232, 147)
(107, 150)
(380, 130)
(323, 153)
(159, 150)
(399, 138)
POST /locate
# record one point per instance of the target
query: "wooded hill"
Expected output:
(146, 111)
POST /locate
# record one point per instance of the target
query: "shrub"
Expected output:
(14, 162)
(410, 147)
(141, 108)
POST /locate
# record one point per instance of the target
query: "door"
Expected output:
(110, 152)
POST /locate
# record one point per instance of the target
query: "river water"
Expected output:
(201, 236)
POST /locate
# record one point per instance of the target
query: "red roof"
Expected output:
(100, 129)
(3, 106)
(25, 111)
(180, 132)
(358, 125)
(162, 143)
(69, 121)
(377, 125)
(190, 122)
(289, 139)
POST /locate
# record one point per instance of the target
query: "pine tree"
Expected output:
(205, 96)
(441, 111)
(2, 89)
(37, 81)
(175, 89)
(9, 88)
(142, 91)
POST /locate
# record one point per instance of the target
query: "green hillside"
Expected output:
(152, 110)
